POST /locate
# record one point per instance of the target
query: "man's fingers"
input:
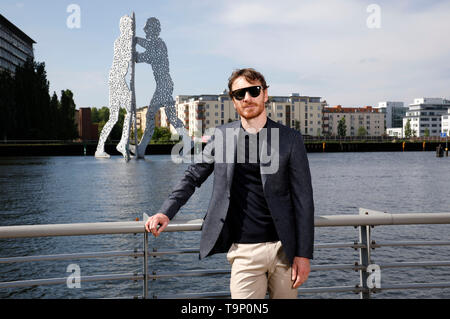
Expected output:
(294, 272)
(147, 225)
(162, 227)
(154, 227)
(153, 222)
(301, 278)
(298, 280)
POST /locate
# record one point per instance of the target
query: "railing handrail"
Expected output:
(364, 221)
(372, 218)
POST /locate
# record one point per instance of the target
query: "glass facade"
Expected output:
(14, 51)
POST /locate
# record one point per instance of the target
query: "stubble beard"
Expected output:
(254, 111)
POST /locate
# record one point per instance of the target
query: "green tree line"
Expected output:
(27, 110)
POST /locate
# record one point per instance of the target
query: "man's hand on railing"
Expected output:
(154, 221)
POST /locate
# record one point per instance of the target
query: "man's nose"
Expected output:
(247, 96)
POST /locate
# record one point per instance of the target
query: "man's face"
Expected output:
(249, 107)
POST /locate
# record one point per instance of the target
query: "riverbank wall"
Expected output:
(80, 149)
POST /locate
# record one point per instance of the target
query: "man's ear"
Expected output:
(266, 95)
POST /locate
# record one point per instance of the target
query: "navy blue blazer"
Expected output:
(286, 181)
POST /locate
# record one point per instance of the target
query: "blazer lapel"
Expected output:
(230, 164)
(264, 137)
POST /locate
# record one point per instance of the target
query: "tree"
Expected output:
(67, 116)
(342, 127)
(32, 100)
(55, 118)
(362, 131)
(28, 112)
(161, 135)
(427, 132)
(408, 130)
(94, 115)
(297, 125)
(7, 105)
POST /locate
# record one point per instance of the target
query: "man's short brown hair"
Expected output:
(251, 75)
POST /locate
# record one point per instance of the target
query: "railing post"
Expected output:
(145, 270)
(364, 260)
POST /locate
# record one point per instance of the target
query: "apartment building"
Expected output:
(355, 117)
(141, 118)
(15, 46)
(201, 112)
(425, 116)
(303, 113)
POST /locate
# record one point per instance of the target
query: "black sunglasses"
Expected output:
(254, 91)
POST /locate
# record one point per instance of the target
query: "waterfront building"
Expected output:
(141, 118)
(446, 123)
(366, 117)
(303, 113)
(87, 131)
(394, 131)
(15, 46)
(425, 116)
(201, 112)
(393, 112)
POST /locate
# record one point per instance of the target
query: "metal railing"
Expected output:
(365, 221)
(379, 139)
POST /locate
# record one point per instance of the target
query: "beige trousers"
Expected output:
(258, 268)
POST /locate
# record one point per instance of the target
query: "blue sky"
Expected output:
(317, 48)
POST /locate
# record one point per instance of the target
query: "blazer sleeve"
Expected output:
(194, 176)
(302, 198)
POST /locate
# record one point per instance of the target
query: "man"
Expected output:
(263, 217)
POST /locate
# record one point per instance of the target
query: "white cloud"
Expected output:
(325, 46)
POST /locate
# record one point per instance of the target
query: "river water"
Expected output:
(60, 190)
